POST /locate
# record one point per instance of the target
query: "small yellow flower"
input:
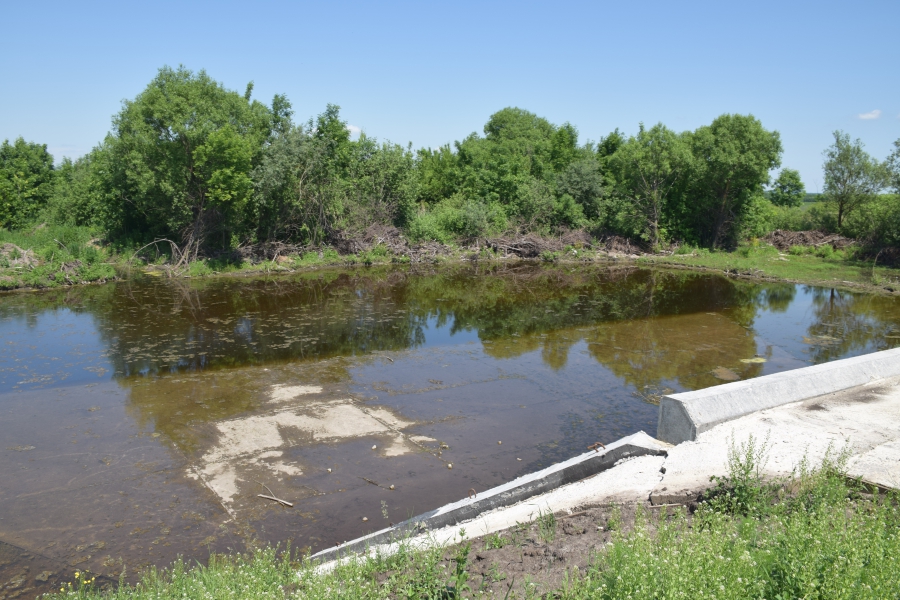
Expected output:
(77, 574)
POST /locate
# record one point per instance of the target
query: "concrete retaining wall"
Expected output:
(682, 417)
(533, 484)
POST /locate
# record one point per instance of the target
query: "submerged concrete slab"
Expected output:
(682, 417)
(516, 491)
(863, 421)
(629, 480)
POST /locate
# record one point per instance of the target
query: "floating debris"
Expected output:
(821, 340)
(725, 374)
(753, 361)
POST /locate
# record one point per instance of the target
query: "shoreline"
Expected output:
(736, 266)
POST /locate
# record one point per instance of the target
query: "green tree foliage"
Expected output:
(893, 166)
(80, 196)
(181, 154)
(514, 169)
(788, 189)
(732, 160)
(313, 181)
(852, 176)
(647, 168)
(585, 182)
(212, 168)
(26, 181)
(609, 144)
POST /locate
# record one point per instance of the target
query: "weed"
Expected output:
(548, 256)
(495, 541)
(494, 573)
(199, 268)
(824, 251)
(614, 522)
(742, 491)
(546, 525)
(458, 583)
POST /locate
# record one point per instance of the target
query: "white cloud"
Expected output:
(870, 115)
(353, 129)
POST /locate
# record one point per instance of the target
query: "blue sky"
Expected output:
(433, 72)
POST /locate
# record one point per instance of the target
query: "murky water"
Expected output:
(142, 420)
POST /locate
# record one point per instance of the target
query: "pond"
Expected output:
(143, 420)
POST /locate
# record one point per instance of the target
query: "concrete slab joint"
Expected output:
(682, 417)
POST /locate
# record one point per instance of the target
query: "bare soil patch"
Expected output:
(536, 558)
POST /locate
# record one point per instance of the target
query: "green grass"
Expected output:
(816, 535)
(804, 265)
(55, 255)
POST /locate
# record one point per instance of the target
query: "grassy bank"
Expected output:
(55, 256)
(822, 266)
(817, 535)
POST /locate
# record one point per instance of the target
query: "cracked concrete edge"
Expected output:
(682, 417)
(530, 485)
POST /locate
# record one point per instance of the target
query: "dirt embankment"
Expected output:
(545, 551)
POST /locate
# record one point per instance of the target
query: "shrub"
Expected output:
(685, 249)
(199, 268)
(876, 222)
(456, 217)
(792, 218)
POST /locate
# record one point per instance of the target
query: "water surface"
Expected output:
(141, 420)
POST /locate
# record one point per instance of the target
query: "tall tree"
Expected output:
(26, 181)
(852, 176)
(313, 182)
(787, 190)
(732, 159)
(893, 166)
(647, 168)
(182, 153)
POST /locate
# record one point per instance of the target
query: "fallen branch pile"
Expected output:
(783, 240)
